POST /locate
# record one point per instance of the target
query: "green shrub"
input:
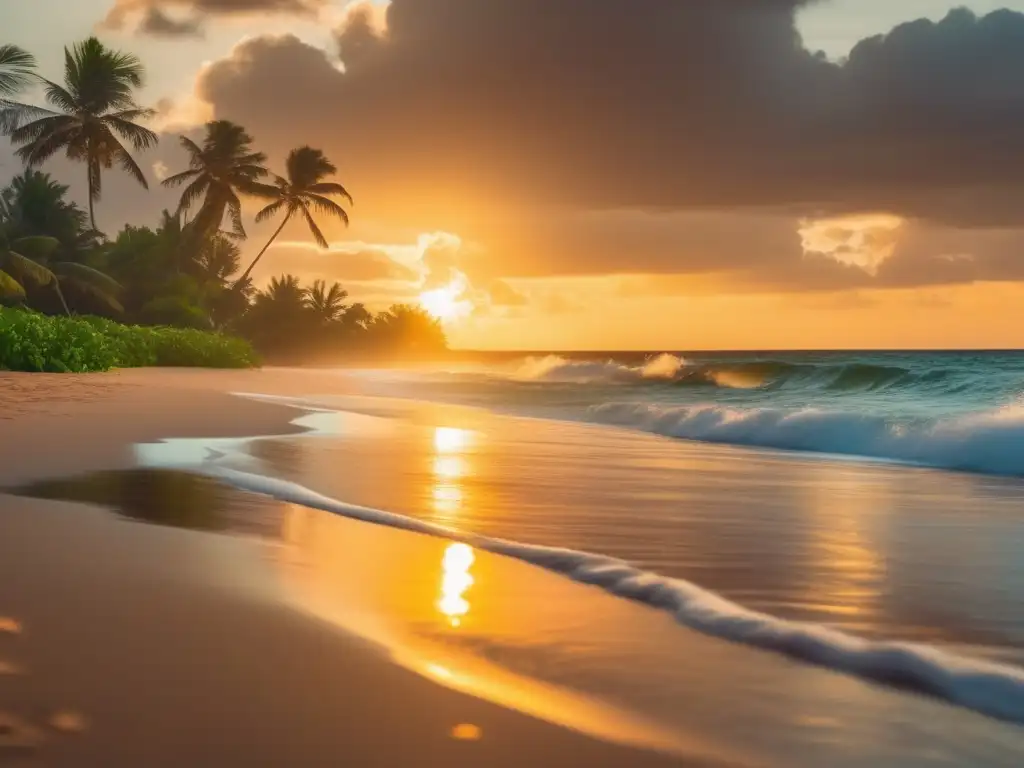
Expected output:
(33, 342)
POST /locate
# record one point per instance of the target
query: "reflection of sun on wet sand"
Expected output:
(456, 579)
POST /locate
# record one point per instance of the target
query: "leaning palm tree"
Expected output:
(303, 190)
(16, 70)
(219, 170)
(94, 107)
(327, 303)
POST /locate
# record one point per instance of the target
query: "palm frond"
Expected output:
(250, 171)
(258, 189)
(192, 192)
(59, 97)
(330, 188)
(325, 205)
(128, 164)
(13, 114)
(83, 274)
(256, 159)
(16, 69)
(24, 268)
(180, 178)
(10, 288)
(141, 138)
(317, 234)
(191, 147)
(235, 214)
(51, 124)
(37, 246)
(270, 211)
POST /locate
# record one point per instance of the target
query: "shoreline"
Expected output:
(133, 631)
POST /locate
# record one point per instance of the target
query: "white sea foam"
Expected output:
(990, 442)
(992, 689)
(561, 370)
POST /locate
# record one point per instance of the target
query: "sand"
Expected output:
(123, 644)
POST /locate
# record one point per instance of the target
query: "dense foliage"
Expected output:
(30, 341)
(182, 276)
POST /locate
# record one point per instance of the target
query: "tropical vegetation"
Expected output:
(144, 294)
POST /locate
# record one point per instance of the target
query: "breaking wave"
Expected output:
(753, 374)
(991, 442)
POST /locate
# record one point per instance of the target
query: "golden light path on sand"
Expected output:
(434, 603)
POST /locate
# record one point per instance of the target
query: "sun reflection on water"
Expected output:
(451, 439)
(449, 469)
(455, 581)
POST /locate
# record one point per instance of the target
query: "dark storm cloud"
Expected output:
(655, 104)
(170, 18)
(157, 23)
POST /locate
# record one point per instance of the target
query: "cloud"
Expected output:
(159, 24)
(655, 104)
(504, 295)
(865, 241)
(160, 170)
(340, 263)
(184, 18)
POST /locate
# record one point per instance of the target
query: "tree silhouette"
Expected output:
(301, 193)
(94, 107)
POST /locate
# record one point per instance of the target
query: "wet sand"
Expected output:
(124, 644)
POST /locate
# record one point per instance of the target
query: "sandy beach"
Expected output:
(126, 644)
(275, 633)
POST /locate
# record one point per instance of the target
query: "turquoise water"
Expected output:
(952, 410)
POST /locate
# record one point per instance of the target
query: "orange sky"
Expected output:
(594, 179)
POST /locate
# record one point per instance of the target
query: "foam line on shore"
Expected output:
(992, 689)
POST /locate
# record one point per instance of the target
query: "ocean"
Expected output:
(858, 512)
(952, 410)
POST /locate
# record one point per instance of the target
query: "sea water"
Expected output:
(953, 410)
(905, 575)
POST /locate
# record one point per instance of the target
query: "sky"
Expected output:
(613, 174)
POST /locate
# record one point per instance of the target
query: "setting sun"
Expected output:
(446, 303)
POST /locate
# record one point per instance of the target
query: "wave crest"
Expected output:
(667, 368)
(990, 442)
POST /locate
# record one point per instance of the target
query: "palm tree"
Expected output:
(327, 303)
(90, 111)
(357, 316)
(284, 291)
(16, 70)
(224, 166)
(218, 260)
(35, 204)
(27, 260)
(304, 189)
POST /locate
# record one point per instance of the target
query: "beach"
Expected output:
(317, 624)
(162, 647)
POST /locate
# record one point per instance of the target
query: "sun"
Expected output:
(446, 303)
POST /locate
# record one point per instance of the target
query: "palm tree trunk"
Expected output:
(245, 275)
(89, 163)
(60, 294)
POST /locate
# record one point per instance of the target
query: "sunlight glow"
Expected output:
(449, 302)
(455, 580)
(450, 439)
